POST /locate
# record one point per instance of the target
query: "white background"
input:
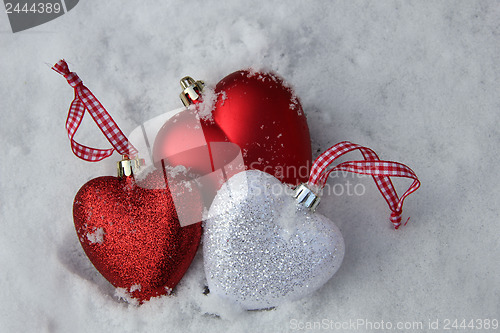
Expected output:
(416, 81)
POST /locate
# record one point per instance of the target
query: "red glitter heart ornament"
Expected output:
(131, 233)
(129, 225)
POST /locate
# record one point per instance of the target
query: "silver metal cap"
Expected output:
(127, 167)
(306, 196)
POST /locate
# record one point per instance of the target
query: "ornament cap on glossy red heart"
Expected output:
(191, 90)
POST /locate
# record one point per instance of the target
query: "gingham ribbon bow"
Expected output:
(373, 166)
(85, 100)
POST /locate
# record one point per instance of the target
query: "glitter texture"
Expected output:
(131, 233)
(261, 248)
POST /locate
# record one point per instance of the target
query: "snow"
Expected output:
(415, 81)
(97, 236)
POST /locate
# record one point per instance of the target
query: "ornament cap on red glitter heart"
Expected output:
(127, 167)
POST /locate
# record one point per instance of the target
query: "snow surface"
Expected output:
(416, 81)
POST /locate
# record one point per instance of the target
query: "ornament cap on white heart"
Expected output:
(306, 196)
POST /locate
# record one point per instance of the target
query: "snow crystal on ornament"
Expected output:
(261, 248)
(206, 108)
(97, 236)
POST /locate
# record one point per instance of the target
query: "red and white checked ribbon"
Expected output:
(85, 100)
(373, 166)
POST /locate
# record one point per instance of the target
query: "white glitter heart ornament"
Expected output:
(264, 245)
(262, 248)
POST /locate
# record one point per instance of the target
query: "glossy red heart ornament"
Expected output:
(131, 233)
(257, 111)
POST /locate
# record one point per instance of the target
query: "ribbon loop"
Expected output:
(381, 171)
(396, 218)
(73, 79)
(86, 101)
(61, 67)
